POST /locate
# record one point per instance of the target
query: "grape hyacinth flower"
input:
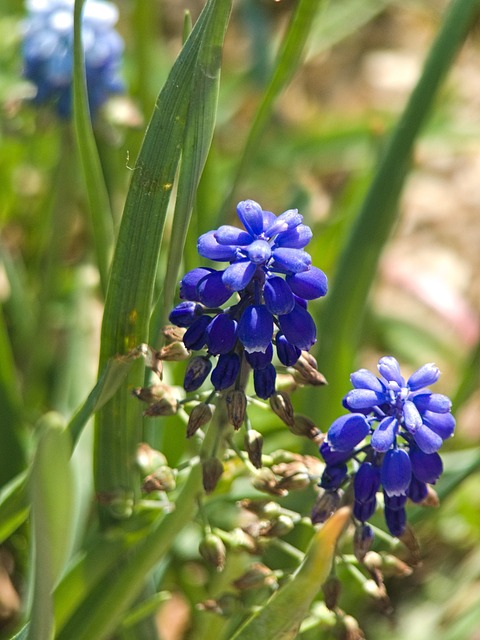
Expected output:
(48, 52)
(393, 431)
(272, 278)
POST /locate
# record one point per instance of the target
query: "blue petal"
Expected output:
(436, 402)
(426, 467)
(228, 235)
(208, 247)
(366, 482)
(333, 476)
(294, 260)
(285, 221)
(185, 314)
(189, 282)
(195, 336)
(287, 353)
(411, 417)
(226, 371)
(260, 359)
(264, 381)
(238, 275)
(221, 334)
(332, 457)
(396, 520)
(259, 251)
(363, 399)
(255, 328)
(296, 238)
(347, 431)
(390, 370)
(268, 218)
(417, 491)
(441, 423)
(298, 327)
(309, 284)
(396, 472)
(251, 215)
(364, 379)
(363, 511)
(395, 502)
(278, 296)
(423, 377)
(211, 290)
(427, 440)
(384, 435)
(197, 371)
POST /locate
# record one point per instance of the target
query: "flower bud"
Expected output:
(306, 371)
(304, 426)
(163, 479)
(331, 592)
(199, 416)
(282, 405)
(240, 540)
(261, 508)
(196, 372)
(362, 541)
(174, 352)
(164, 407)
(253, 445)
(256, 577)
(236, 402)
(325, 506)
(278, 527)
(148, 459)
(431, 499)
(226, 605)
(213, 550)
(265, 480)
(153, 393)
(212, 470)
(173, 333)
(388, 564)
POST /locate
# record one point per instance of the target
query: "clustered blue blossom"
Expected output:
(272, 278)
(393, 431)
(48, 52)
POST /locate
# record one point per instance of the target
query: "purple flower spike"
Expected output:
(396, 472)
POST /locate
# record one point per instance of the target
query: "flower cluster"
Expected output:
(393, 432)
(272, 278)
(48, 52)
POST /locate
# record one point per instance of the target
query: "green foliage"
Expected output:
(98, 559)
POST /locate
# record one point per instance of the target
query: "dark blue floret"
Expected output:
(264, 381)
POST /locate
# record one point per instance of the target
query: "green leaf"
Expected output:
(281, 617)
(14, 505)
(52, 493)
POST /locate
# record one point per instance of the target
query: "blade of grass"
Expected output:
(288, 59)
(99, 203)
(343, 311)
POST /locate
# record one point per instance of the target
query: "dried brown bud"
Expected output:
(154, 393)
(304, 426)
(165, 407)
(226, 605)
(388, 564)
(362, 541)
(265, 480)
(213, 550)
(199, 416)
(174, 352)
(285, 382)
(261, 508)
(236, 402)
(282, 406)
(331, 588)
(163, 479)
(149, 459)
(306, 371)
(410, 540)
(431, 499)
(173, 333)
(325, 506)
(253, 444)
(352, 629)
(296, 481)
(257, 576)
(279, 526)
(212, 470)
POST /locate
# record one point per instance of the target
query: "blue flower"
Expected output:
(48, 52)
(394, 430)
(271, 278)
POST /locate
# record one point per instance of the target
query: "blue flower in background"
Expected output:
(405, 424)
(272, 278)
(48, 52)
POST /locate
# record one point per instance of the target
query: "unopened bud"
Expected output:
(410, 540)
(226, 605)
(236, 402)
(265, 480)
(149, 459)
(199, 416)
(240, 540)
(282, 406)
(325, 506)
(165, 407)
(213, 550)
(173, 333)
(306, 371)
(304, 426)
(375, 590)
(196, 372)
(362, 541)
(174, 352)
(154, 393)
(261, 508)
(331, 592)
(352, 629)
(163, 479)
(257, 576)
(253, 445)
(212, 470)
(278, 527)
(431, 499)
(285, 382)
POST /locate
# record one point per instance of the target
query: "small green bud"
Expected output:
(265, 480)
(163, 479)
(148, 459)
(212, 470)
(256, 577)
(331, 591)
(213, 550)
